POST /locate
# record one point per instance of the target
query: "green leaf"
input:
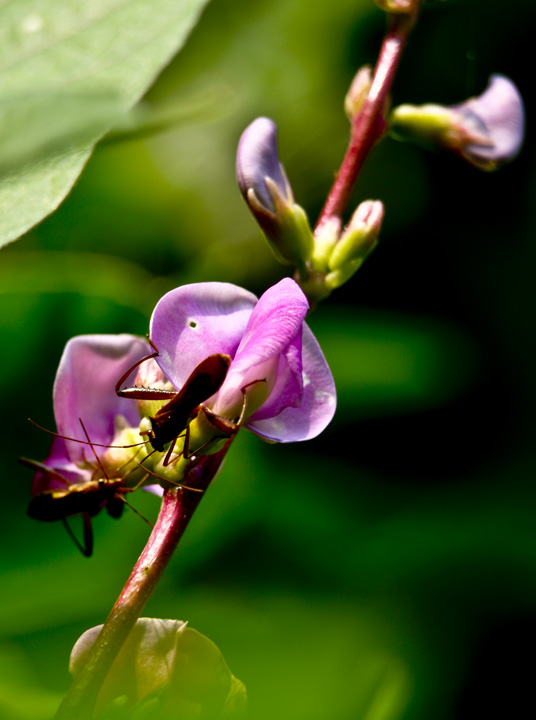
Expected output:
(68, 70)
(88, 274)
(165, 670)
(386, 363)
(21, 696)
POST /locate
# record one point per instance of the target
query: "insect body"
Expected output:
(85, 498)
(88, 497)
(172, 419)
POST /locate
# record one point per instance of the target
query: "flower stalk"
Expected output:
(178, 506)
(369, 124)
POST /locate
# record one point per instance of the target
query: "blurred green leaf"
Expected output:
(384, 362)
(206, 105)
(392, 694)
(76, 51)
(21, 698)
(89, 274)
(168, 669)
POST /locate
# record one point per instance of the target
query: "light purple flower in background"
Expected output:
(257, 160)
(271, 348)
(493, 124)
(268, 194)
(487, 130)
(85, 388)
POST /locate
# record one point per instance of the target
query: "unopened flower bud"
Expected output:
(358, 240)
(360, 235)
(266, 189)
(356, 95)
(487, 130)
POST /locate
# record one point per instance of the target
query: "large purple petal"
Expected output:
(288, 388)
(273, 326)
(85, 388)
(275, 321)
(195, 321)
(318, 405)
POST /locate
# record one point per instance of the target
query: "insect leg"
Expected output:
(87, 548)
(123, 378)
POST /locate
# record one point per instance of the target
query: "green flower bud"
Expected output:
(359, 237)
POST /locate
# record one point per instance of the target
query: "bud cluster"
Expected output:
(267, 191)
(329, 257)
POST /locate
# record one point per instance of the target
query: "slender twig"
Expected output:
(369, 123)
(178, 506)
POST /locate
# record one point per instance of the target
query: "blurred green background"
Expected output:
(387, 569)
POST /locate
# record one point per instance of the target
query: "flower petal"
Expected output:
(500, 115)
(85, 388)
(273, 326)
(288, 387)
(59, 462)
(274, 323)
(195, 321)
(318, 405)
(257, 159)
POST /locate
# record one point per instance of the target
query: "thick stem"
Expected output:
(369, 123)
(178, 506)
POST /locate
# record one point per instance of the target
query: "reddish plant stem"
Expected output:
(178, 506)
(369, 123)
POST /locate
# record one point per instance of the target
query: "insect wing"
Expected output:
(205, 380)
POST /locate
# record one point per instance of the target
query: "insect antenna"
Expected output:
(86, 442)
(41, 467)
(138, 513)
(119, 496)
(91, 445)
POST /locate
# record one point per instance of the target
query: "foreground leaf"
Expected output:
(165, 670)
(68, 70)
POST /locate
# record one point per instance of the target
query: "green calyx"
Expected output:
(425, 124)
(287, 228)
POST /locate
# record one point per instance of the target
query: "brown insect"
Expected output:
(85, 498)
(173, 418)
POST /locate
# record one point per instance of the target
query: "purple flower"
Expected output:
(493, 124)
(487, 130)
(266, 190)
(278, 374)
(85, 388)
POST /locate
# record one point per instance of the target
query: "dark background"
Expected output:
(386, 569)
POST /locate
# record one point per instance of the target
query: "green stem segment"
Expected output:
(178, 506)
(369, 124)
